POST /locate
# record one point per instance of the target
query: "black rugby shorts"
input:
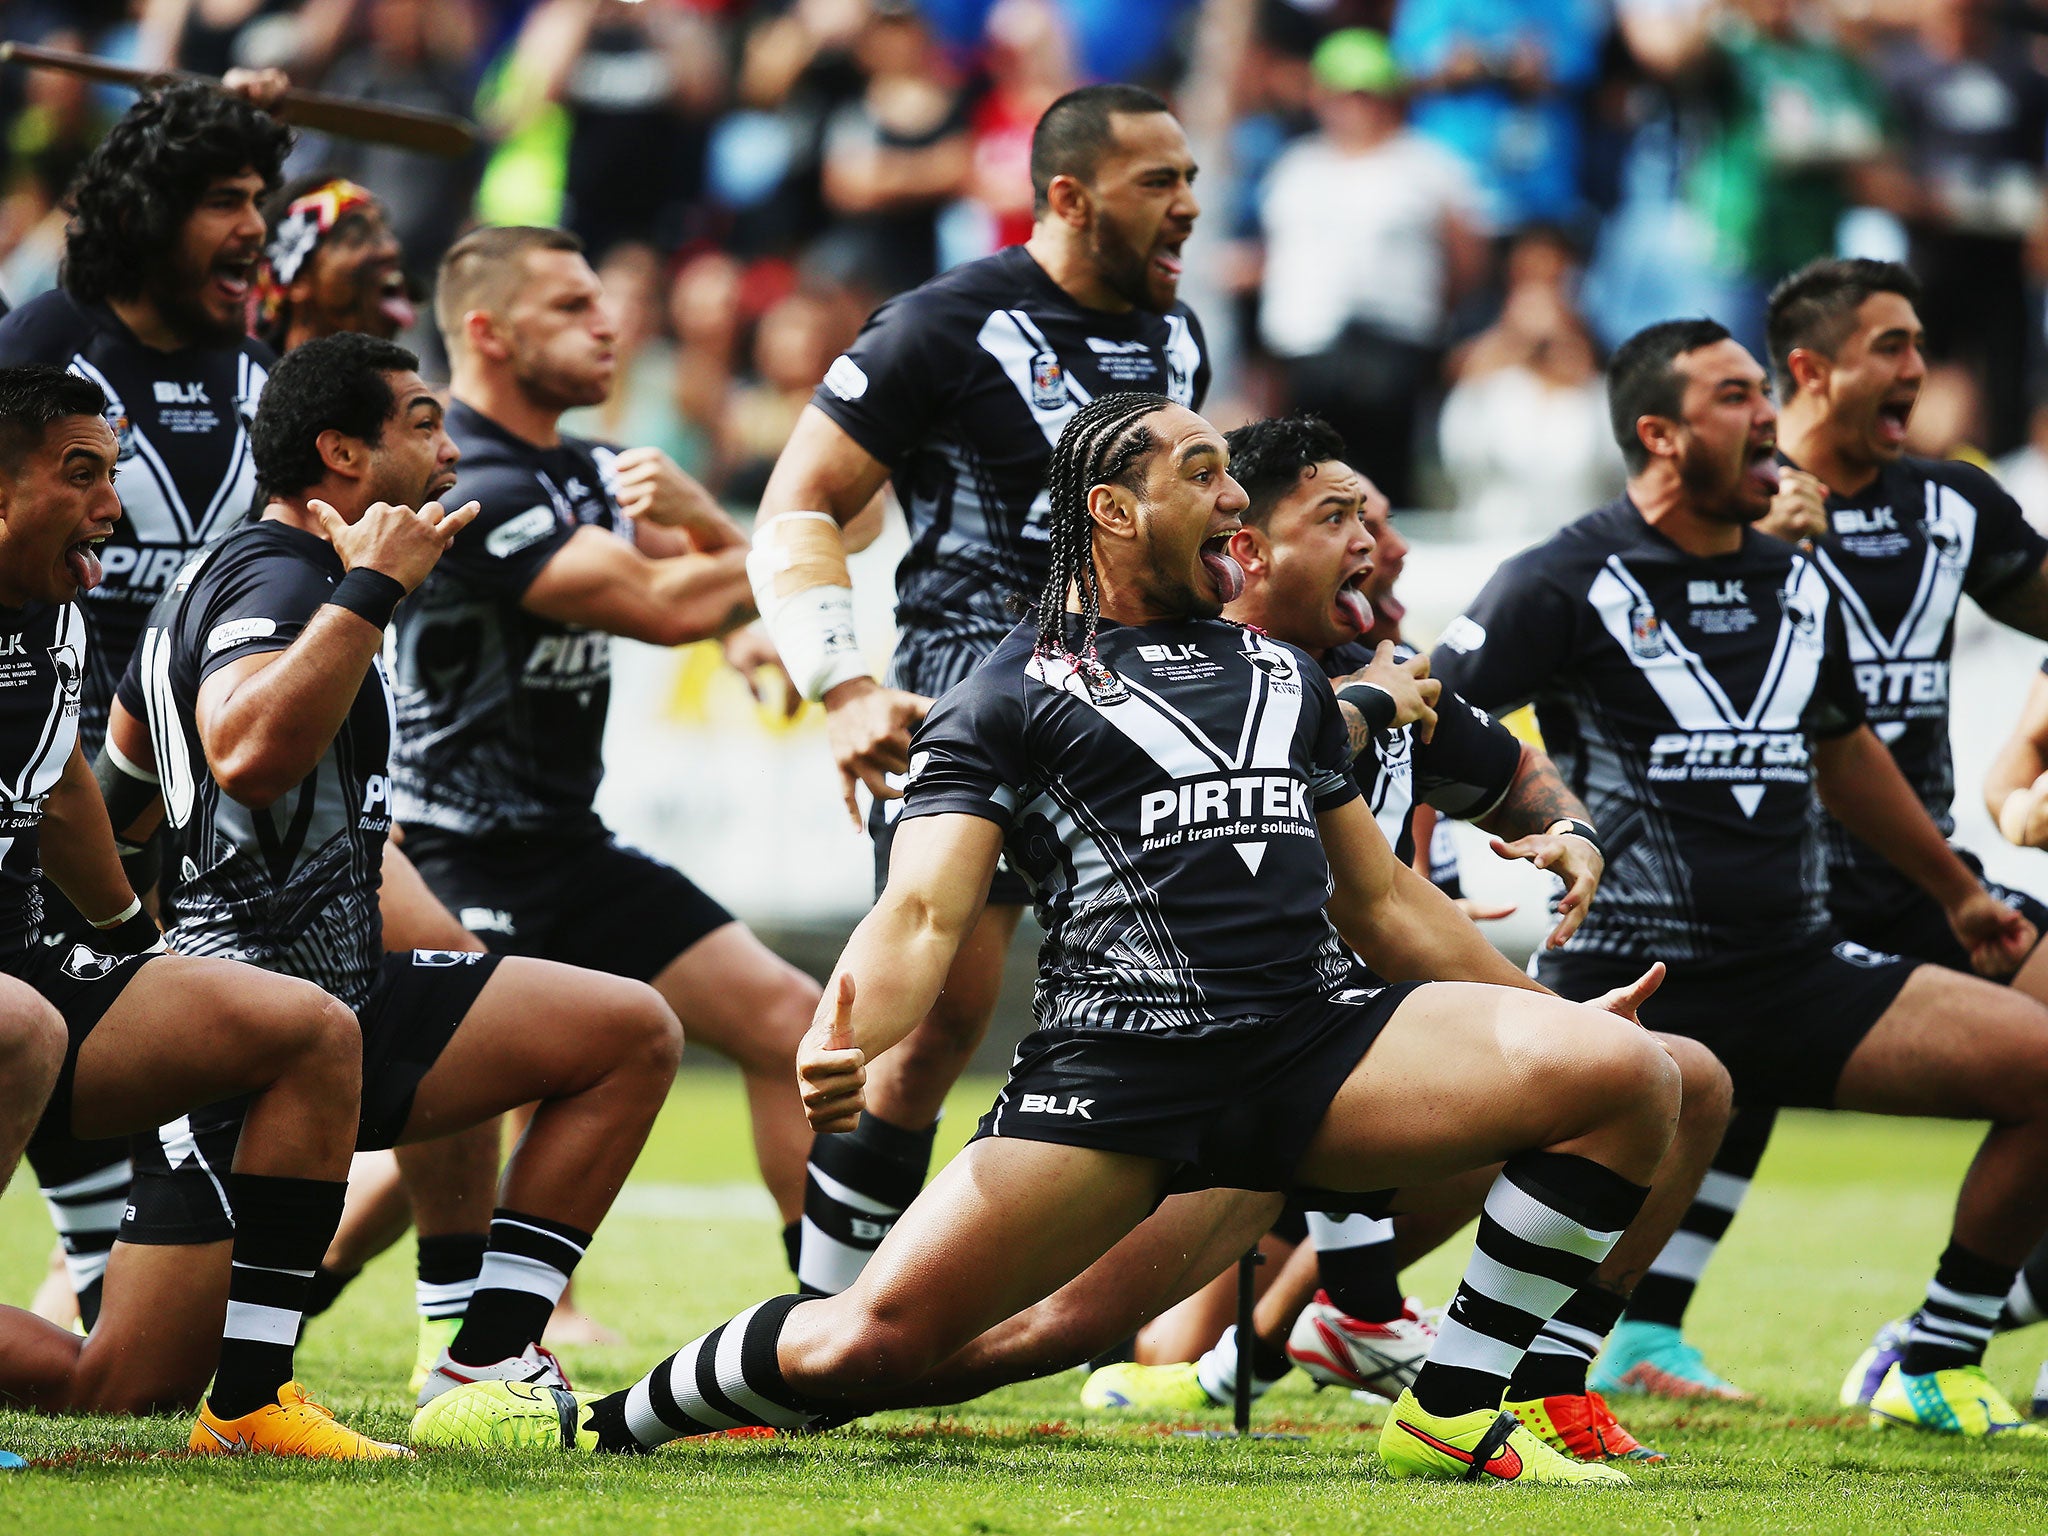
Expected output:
(1784, 1024)
(1919, 930)
(416, 1004)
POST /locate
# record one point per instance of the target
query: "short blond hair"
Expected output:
(483, 270)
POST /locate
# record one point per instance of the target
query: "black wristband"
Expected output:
(1574, 827)
(136, 935)
(1374, 703)
(368, 594)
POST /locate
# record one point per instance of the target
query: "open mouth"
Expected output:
(1223, 570)
(394, 300)
(1352, 601)
(233, 276)
(1166, 260)
(1892, 417)
(1763, 468)
(83, 561)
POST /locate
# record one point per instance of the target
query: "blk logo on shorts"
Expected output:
(1049, 1104)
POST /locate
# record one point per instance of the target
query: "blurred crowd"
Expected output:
(1425, 219)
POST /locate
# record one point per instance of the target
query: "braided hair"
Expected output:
(1103, 442)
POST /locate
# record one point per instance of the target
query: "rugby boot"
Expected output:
(1653, 1359)
(1886, 1349)
(1582, 1426)
(1957, 1401)
(1158, 1389)
(1338, 1350)
(436, 1334)
(1487, 1445)
(519, 1414)
(294, 1425)
(535, 1365)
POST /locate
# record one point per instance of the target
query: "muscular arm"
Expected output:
(598, 581)
(939, 870)
(1863, 789)
(1406, 928)
(1536, 800)
(78, 845)
(265, 720)
(822, 469)
(2024, 604)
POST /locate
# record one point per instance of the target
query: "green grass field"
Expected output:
(1844, 1225)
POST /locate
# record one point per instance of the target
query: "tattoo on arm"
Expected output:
(1536, 799)
(1355, 727)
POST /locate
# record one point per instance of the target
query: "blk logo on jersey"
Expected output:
(171, 393)
(1851, 521)
(1051, 1104)
(1702, 593)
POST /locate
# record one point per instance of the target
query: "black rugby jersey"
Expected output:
(1168, 834)
(500, 711)
(42, 665)
(1677, 696)
(185, 473)
(1466, 766)
(293, 887)
(1902, 553)
(962, 387)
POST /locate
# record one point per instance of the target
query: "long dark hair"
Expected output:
(1103, 443)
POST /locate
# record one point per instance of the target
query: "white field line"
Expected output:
(694, 1202)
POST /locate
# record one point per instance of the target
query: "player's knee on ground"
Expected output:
(1708, 1093)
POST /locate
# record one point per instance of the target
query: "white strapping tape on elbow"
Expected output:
(797, 568)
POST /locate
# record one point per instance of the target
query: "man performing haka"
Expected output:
(1160, 817)
(1901, 539)
(269, 723)
(151, 1037)
(1308, 549)
(159, 262)
(330, 264)
(956, 392)
(1690, 675)
(503, 675)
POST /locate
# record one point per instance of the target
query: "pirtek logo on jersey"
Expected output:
(1274, 795)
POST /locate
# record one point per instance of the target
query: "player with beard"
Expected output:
(1692, 675)
(159, 263)
(331, 264)
(268, 719)
(1902, 539)
(502, 674)
(1309, 550)
(954, 394)
(151, 1037)
(1201, 1022)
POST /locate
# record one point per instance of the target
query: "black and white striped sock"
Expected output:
(2027, 1302)
(1565, 1347)
(282, 1227)
(856, 1186)
(525, 1271)
(85, 1188)
(1666, 1291)
(1956, 1321)
(1549, 1220)
(448, 1267)
(728, 1379)
(1355, 1263)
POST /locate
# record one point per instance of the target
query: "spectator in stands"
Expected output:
(1525, 436)
(1972, 118)
(1371, 234)
(1500, 82)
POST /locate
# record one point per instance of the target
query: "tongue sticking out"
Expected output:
(1353, 602)
(397, 308)
(1227, 573)
(84, 564)
(1764, 472)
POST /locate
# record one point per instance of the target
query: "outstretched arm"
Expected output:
(1863, 789)
(896, 962)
